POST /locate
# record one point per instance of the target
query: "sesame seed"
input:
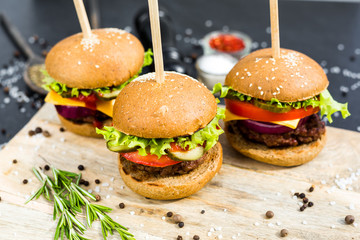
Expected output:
(97, 66)
(261, 93)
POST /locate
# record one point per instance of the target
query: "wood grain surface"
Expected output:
(235, 201)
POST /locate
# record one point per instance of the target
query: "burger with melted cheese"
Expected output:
(84, 76)
(166, 135)
(272, 107)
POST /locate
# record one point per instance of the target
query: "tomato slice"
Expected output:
(149, 160)
(90, 101)
(252, 112)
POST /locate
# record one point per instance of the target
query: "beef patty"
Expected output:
(311, 131)
(141, 172)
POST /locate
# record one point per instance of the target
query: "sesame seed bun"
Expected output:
(291, 78)
(177, 107)
(285, 156)
(175, 187)
(110, 57)
(83, 129)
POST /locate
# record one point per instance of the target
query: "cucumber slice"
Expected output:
(271, 107)
(108, 96)
(190, 155)
(120, 148)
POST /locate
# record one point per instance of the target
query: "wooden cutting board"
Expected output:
(235, 201)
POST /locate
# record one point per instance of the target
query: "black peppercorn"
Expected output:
(311, 189)
(97, 181)
(31, 133)
(284, 233)
(62, 129)
(38, 130)
(46, 133)
(301, 195)
(269, 214)
(81, 182)
(305, 200)
(47, 167)
(14, 161)
(202, 211)
(310, 204)
(122, 205)
(181, 224)
(86, 183)
(349, 219)
(169, 214)
(296, 194)
(25, 181)
(6, 90)
(179, 237)
(177, 218)
(196, 237)
(17, 54)
(98, 198)
(81, 167)
(302, 208)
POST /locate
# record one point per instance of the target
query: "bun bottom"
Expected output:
(83, 129)
(175, 187)
(286, 156)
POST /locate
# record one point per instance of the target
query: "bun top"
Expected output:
(177, 107)
(290, 78)
(109, 58)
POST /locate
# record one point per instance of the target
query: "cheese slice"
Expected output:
(229, 116)
(102, 106)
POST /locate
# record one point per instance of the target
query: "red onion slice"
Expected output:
(72, 112)
(269, 128)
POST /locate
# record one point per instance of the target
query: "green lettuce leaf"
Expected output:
(208, 135)
(324, 101)
(158, 146)
(62, 89)
(328, 106)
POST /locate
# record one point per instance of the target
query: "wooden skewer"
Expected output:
(274, 20)
(156, 39)
(83, 19)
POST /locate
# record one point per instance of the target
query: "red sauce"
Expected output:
(90, 101)
(227, 43)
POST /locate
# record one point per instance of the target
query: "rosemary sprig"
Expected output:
(69, 200)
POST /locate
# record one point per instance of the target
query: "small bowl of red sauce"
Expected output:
(235, 43)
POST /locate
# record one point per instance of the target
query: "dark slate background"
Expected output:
(329, 32)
